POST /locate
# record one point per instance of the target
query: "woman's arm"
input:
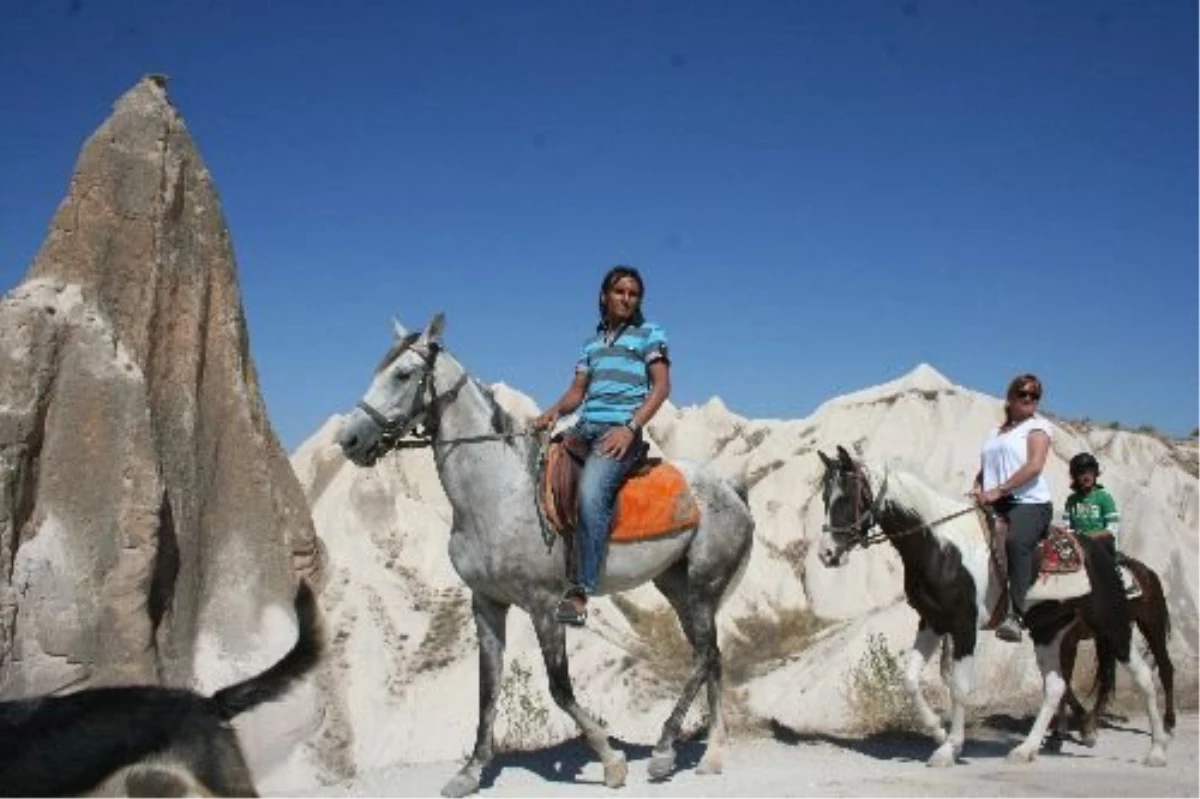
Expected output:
(1037, 447)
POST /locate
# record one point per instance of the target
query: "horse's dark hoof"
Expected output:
(662, 764)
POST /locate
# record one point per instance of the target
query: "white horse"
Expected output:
(496, 546)
(950, 580)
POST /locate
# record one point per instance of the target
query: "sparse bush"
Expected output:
(660, 643)
(874, 690)
(1195, 433)
(444, 640)
(524, 717)
(1148, 429)
(758, 642)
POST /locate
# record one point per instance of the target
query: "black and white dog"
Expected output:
(145, 740)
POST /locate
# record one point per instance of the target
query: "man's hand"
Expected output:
(616, 442)
(546, 420)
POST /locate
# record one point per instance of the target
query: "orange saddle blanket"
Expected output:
(654, 500)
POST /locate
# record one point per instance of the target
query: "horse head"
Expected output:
(401, 395)
(850, 507)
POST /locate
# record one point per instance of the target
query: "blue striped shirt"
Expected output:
(618, 373)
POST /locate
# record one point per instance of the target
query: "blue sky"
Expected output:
(821, 195)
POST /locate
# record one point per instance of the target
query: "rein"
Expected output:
(871, 538)
(391, 431)
(866, 527)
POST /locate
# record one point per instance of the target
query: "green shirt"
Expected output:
(1092, 512)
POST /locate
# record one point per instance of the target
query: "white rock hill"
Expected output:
(405, 642)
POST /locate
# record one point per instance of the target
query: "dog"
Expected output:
(145, 740)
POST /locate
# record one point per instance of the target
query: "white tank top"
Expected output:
(1005, 453)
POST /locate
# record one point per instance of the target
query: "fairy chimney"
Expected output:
(151, 528)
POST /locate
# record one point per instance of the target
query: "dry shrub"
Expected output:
(523, 716)
(759, 642)
(443, 641)
(660, 643)
(874, 689)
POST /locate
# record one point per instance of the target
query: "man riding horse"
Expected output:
(621, 379)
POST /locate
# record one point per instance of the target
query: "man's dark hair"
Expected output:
(611, 277)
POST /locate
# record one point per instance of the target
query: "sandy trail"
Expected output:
(788, 763)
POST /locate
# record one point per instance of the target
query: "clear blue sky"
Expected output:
(821, 195)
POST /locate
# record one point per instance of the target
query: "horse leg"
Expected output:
(1053, 686)
(1153, 619)
(956, 672)
(490, 619)
(922, 649)
(1069, 651)
(552, 637)
(1140, 671)
(698, 614)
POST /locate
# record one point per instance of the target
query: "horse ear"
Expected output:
(845, 458)
(433, 331)
(825, 459)
(398, 328)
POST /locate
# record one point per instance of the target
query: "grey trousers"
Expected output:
(1027, 523)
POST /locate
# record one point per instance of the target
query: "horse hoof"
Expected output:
(1020, 755)
(1088, 739)
(662, 764)
(1156, 759)
(710, 764)
(461, 785)
(1169, 722)
(615, 771)
(942, 758)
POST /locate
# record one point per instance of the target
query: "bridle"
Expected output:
(865, 530)
(392, 431)
(866, 509)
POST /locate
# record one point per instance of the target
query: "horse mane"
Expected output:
(911, 495)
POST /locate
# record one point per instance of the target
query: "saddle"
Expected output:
(1058, 552)
(653, 501)
(1059, 571)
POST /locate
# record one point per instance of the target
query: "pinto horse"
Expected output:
(950, 580)
(1153, 619)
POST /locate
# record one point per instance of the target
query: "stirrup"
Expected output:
(567, 613)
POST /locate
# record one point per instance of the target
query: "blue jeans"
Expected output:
(598, 486)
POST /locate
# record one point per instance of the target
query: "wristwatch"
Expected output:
(633, 425)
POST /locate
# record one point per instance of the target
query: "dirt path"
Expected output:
(797, 764)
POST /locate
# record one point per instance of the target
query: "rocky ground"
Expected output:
(788, 763)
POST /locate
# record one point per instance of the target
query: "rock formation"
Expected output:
(791, 632)
(151, 528)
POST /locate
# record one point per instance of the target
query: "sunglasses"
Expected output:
(1033, 395)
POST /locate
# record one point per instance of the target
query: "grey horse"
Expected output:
(497, 549)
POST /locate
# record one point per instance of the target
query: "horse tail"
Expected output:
(1109, 616)
(1106, 669)
(741, 487)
